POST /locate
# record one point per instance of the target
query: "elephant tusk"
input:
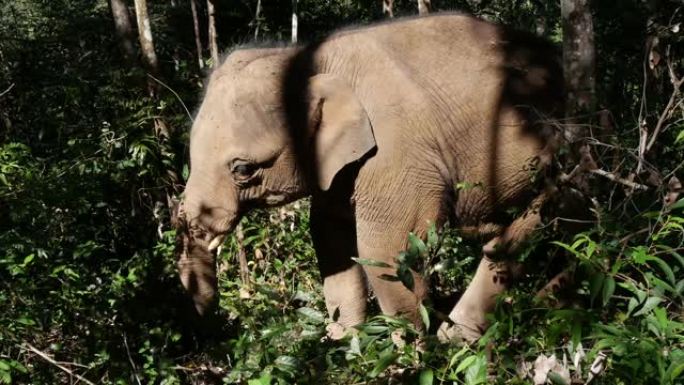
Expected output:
(216, 242)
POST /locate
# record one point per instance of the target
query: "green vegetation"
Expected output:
(87, 273)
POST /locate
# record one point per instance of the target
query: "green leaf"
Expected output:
(312, 314)
(425, 315)
(287, 362)
(416, 245)
(650, 303)
(680, 137)
(370, 262)
(477, 372)
(595, 285)
(465, 364)
(458, 355)
(678, 205)
(28, 259)
(426, 377)
(386, 359)
(432, 237)
(406, 277)
(265, 379)
(5, 378)
(4, 366)
(556, 379)
(676, 370)
(608, 289)
(388, 277)
(665, 267)
(186, 172)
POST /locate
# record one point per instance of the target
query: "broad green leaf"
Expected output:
(4, 365)
(608, 289)
(665, 267)
(386, 359)
(465, 364)
(388, 277)
(370, 262)
(425, 316)
(631, 305)
(28, 259)
(416, 245)
(354, 345)
(458, 355)
(311, 313)
(5, 378)
(373, 329)
(406, 277)
(676, 370)
(678, 205)
(477, 372)
(595, 285)
(426, 377)
(432, 237)
(650, 303)
(556, 379)
(680, 137)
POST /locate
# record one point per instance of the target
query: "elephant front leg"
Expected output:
(344, 282)
(394, 298)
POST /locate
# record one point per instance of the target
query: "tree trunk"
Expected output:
(198, 41)
(145, 36)
(123, 29)
(213, 45)
(257, 20)
(388, 8)
(294, 21)
(579, 61)
(423, 7)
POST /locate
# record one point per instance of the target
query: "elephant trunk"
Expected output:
(197, 271)
(196, 250)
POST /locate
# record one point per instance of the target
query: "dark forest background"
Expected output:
(93, 146)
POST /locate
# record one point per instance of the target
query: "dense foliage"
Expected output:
(89, 291)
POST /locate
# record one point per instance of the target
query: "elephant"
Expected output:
(380, 126)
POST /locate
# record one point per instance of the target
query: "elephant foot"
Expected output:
(462, 330)
(336, 331)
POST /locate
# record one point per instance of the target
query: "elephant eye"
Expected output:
(243, 170)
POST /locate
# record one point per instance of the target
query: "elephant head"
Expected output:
(248, 150)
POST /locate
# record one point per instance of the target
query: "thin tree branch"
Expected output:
(671, 104)
(615, 178)
(130, 359)
(7, 90)
(177, 96)
(49, 359)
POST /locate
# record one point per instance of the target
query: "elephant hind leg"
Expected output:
(520, 230)
(492, 277)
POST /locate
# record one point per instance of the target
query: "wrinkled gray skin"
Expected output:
(396, 116)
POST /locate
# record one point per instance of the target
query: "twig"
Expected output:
(7, 90)
(130, 359)
(677, 83)
(176, 94)
(615, 178)
(55, 363)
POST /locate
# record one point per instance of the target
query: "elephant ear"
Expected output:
(342, 131)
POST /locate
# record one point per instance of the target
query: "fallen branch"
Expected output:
(617, 179)
(130, 360)
(49, 359)
(7, 90)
